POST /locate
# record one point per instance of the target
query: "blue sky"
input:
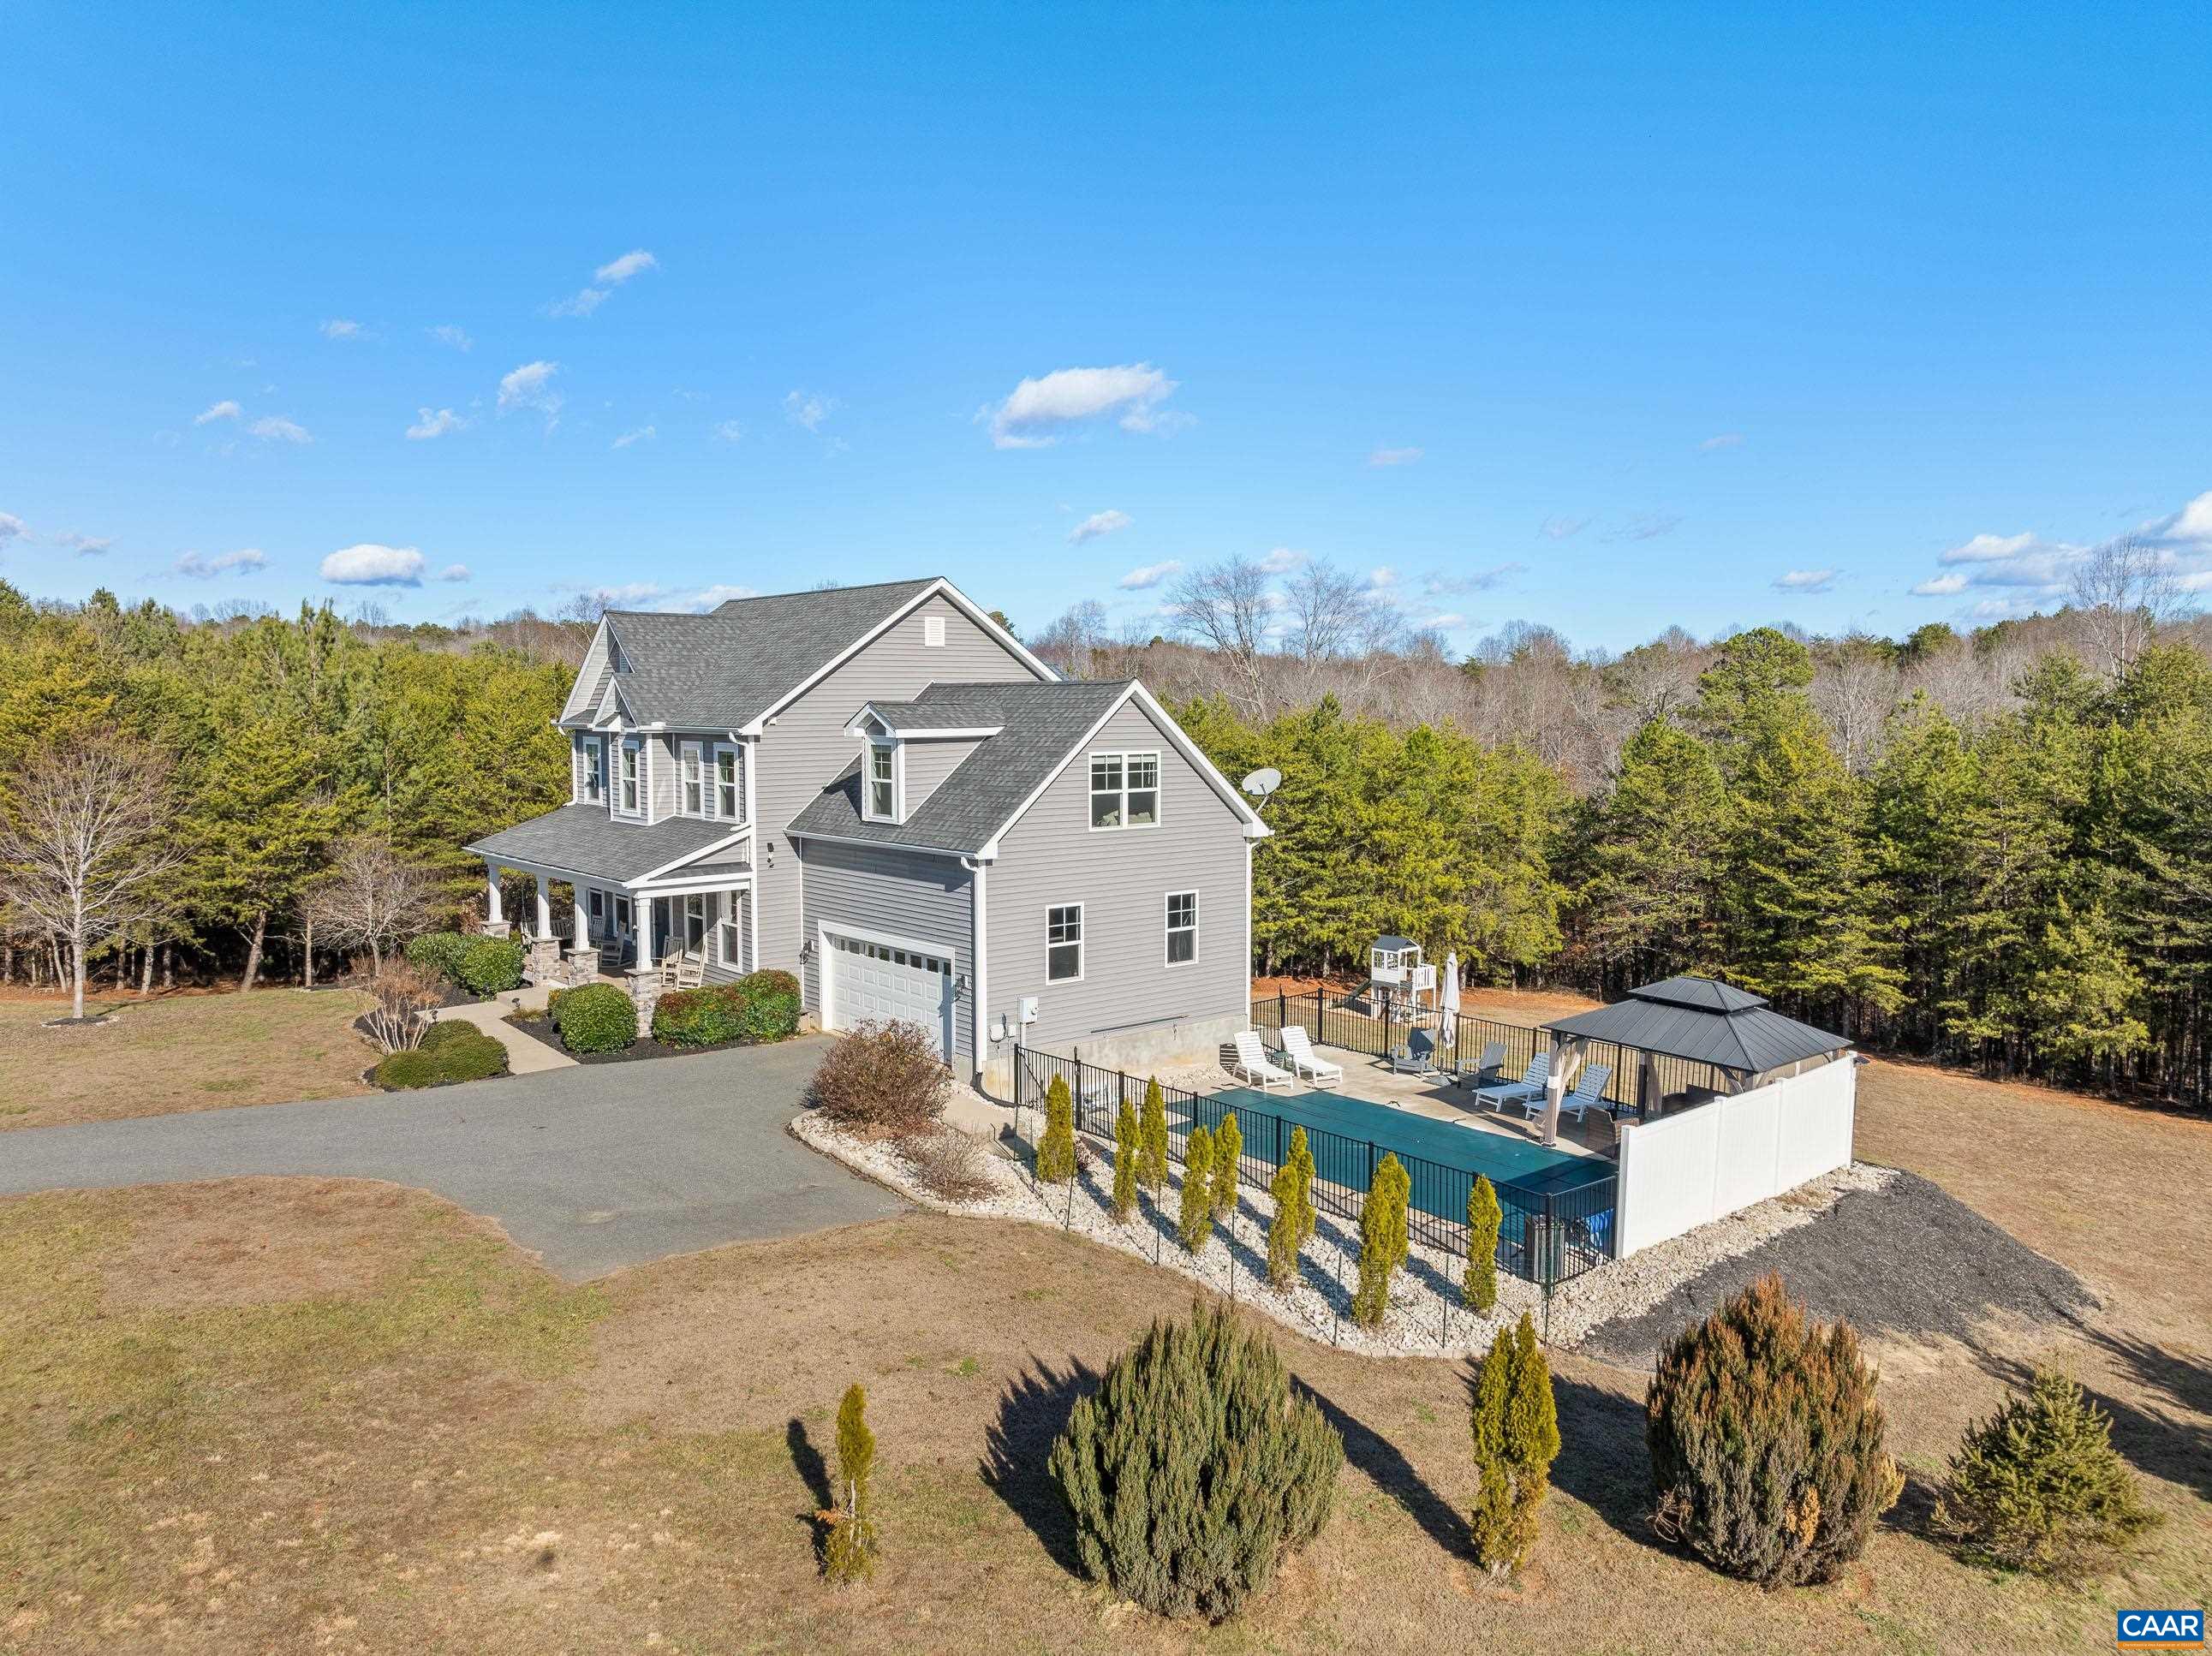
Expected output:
(1596, 316)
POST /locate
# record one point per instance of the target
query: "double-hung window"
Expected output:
(882, 783)
(1182, 927)
(695, 798)
(630, 783)
(727, 942)
(595, 771)
(695, 925)
(1063, 943)
(1124, 790)
(726, 784)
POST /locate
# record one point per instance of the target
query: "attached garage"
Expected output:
(869, 977)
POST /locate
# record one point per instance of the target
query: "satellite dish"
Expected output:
(1262, 783)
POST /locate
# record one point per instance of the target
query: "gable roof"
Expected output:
(584, 840)
(742, 661)
(1705, 1021)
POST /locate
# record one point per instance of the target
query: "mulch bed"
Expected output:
(1908, 1259)
(541, 1028)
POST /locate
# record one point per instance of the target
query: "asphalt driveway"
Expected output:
(595, 1167)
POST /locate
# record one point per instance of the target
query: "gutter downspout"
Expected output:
(979, 867)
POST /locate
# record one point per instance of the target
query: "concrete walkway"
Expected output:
(594, 1167)
(525, 1054)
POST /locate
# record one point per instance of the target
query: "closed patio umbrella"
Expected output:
(1450, 1031)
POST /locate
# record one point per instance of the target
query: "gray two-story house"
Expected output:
(878, 789)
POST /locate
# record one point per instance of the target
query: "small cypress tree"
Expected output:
(1228, 1165)
(1483, 1217)
(1056, 1152)
(1492, 1529)
(1126, 1133)
(849, 1551)
(1532, 1429)
(1381, 1241)
(1152, 1167)
(1302, 1159)
(1516, 1438)
(1286, 1228)
(2038, 1486)
(1195, 1223)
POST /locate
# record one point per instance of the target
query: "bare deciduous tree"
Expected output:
(2129, 589)
(373, 898)
(1227, 607)
(84, 842)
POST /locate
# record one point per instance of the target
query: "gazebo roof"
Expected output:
(1707, 1021)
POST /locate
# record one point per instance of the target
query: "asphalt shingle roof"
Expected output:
(584, 840)
(1040, 724)
(719, 670)
(1705, 1021)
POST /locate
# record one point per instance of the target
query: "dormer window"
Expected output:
(694, 797)
(630, 783)
(881, 805)
(595, 771)
(726, 784)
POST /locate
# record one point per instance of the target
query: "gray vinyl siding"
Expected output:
(1122, 877)
(807, 746)
(892, 893)
(928, 763)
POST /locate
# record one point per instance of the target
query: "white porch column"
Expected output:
(583, 924)
(642, 907)
(544, 906)
(491, 895)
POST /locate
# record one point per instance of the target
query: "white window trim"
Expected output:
(682, 916)
(1169, 931)
(691, 772)
(627, 747)
(719, 751)
(595, 758)
(1158, 790)
(898, 783)
(729, 940)
(1082, 945)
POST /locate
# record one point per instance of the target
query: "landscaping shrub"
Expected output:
(445, 1032)
(1127, 1136)
(1055, 1150)
(598, 1017)
(401, 992)
(553, 1006)
(1152, 1139)
(885, 1080)
(2038, 1486)
(452, 1051)
(771, 1001)
(1228, 1165)
(1516, 1439)
(1483, 1217)
(700, 1017)
(848, 1552)
(1382, 1241)
(440, 952)
(490, 966)
(949, 1163)
(1193, 1470)
(1766, 1442)
(405, 1071)
(1195, 1220)
(476, 1058)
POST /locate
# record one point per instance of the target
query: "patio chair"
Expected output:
(1531, 1085)
(1252, 1063)
(1304, 1062)
(1589, 1088)
(683, 973)
(1418, 1056)
(1480, 1071)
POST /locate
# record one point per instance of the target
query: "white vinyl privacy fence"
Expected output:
(1702, 1164)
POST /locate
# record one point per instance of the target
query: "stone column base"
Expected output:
(494, 928)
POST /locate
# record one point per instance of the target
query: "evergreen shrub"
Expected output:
(700, 1017)
(1515, 1422)
(489, 965)
(1055, 1150)
(598, 1017)
(771, 1000)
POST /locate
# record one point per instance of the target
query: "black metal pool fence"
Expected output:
(1547, 1237)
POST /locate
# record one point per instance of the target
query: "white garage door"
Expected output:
(885, 982)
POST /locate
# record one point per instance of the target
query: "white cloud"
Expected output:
(446, 334)
(583, 302)
(226, 410)
(729, 431)
(1805, 581)
(1283, 559)
(12, 527)
(1039, 411)
(1394, 457)
(455, 572)
(435, 423)
(1560, 529)
(1381, 579)
(616, 271)
(227, 563)
(1147, 576)
(2036, 572)
(2190, 526)
(371, 565)
(1942, 586)
(809, 409)
(269, 429)
(1439, 585)
(530, 387)
(1645, 526)
(1451, 622)
(642, 434)
(341, 327)
(1726, 439)
(708, 598)
(1097, 523)
(85, 546)
(629, 596)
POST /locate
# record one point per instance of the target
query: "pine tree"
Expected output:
(1382, 1242)
(1515, 1426)
(1483, 1218)
(1055, 1150)
(1653, 900)
(848, 1552)
(1532, 1430)
(1195, 1224)
(1153, 1146)
(1228, 1165)
(1126, 1134)
(1283, 1227)
(1300, 1158)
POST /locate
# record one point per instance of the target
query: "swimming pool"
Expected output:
(1352, 1124)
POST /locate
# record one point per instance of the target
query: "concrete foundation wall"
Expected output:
(1137, 1052)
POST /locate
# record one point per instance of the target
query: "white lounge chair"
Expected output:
(1531, 1085)
(1253, 1064)
(1589, 1088)
(1304, 1062)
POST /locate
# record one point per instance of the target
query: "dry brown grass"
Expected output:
(176, 1053)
